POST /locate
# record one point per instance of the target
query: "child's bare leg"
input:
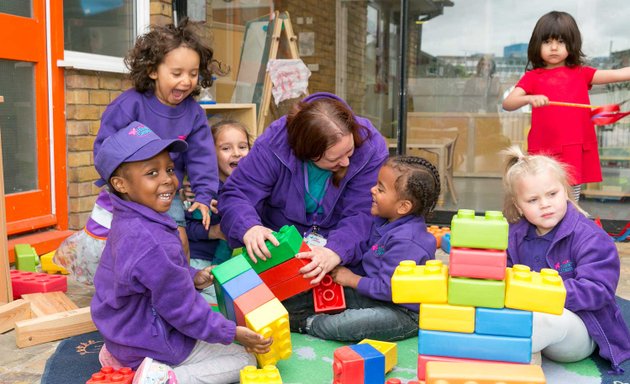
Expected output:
(184, 238)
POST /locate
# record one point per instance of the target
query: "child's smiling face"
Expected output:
(176, 77)
(231, 146)
(386, 202)
(151, 182)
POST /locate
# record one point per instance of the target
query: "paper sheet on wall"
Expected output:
(289, 78)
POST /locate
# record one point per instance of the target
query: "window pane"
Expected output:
(16, 7)
(103, 27)
(17, 125)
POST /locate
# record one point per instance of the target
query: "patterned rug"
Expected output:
(76, 359)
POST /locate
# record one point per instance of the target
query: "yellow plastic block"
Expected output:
(533, 291)
(271, 320)
(446, 317)
(413, 283)
(389, 350)
(49, 266)
(268, 374)
(439, 372)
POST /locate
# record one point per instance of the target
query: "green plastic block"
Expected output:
(487, 232)
(225, 272)
(476, 292)
(290, 243)
(26, 258)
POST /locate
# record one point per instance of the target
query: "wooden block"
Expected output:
(13, 312)
(49, 303)
(53, 327)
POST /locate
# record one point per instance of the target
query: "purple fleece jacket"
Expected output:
(145, 303)
(390, 243)
(267, 188)
(186, 121)
(587, 259)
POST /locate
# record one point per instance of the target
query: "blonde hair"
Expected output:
(517, 165)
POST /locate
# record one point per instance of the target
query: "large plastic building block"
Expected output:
(474, 346)
(290, 243)
(226, 271)
(503, 322)
(328, 296)
(478, 263)
(268, 374)
(291, 287)
(29, 282)
(373, 363)
(448, 318)
(271, 320)
(438, 233)
(470, 231)
(236, 287)
(26, 258)
(109, 375)
(533, 291)
(464, 373)
(446, 242)
(413, 283)
(347, 366)
(283, 272)
(388, 349)
(49, 266)
(251, 300)
(424, 359)
(476, 292)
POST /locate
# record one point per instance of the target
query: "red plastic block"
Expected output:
(347, 366)
(283, 272)
(304, 248)
(291, 287)
(478, 263)
(32, 282)
(251, 300)
(328, 296)
(424, 359)
(109, 375)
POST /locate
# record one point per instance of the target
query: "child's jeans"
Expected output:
(364, 318)
(562, 338)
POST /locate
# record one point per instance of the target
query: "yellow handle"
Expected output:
(563, 104)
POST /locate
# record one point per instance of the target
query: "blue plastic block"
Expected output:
(373, 363)
(503, 322)
(446, 242)
(474, 346)
(236, 287)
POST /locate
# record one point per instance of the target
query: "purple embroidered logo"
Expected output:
(140, 130)
(565, 266)
(379, 250)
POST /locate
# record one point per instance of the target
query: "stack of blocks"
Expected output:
(366, 362)
(481, 311)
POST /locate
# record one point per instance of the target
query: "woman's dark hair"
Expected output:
(151, 48)
(556, 25)
(418, 182)
(315, 126)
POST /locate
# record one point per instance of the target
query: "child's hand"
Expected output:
(538, 100)
(215, 232)
(323, 260)
(345, 277)
(205, 215)
(214, 206)
(204, 278)
(254, 240)
(186, 193)
(252, 341)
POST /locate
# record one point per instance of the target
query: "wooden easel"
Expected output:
(6, 294)
(282, 34)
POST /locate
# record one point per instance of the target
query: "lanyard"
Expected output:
(319, 202)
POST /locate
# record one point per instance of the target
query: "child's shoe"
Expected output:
(153, 372)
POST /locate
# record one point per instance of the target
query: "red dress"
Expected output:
(566, 133)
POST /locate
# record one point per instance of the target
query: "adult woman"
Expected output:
(313, 169)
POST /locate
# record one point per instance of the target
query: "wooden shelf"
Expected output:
(245, 113)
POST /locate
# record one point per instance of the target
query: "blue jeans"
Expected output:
(364, 318)
(176, 211)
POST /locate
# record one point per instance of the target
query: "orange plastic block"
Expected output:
(110, 375)
(533, 291)
(328, 296)
(30, 282)
(271, 320)
(485, 373)
(348, 366)
(388, 349)
(445, 317)
(477, 263)
(424, 359)
(251, 300)
(413, 283)
(268, 374)
(438, 232)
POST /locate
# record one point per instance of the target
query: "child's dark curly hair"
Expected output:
(151, 48)
(418, 182)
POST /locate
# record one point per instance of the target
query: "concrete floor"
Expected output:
(25, 366)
